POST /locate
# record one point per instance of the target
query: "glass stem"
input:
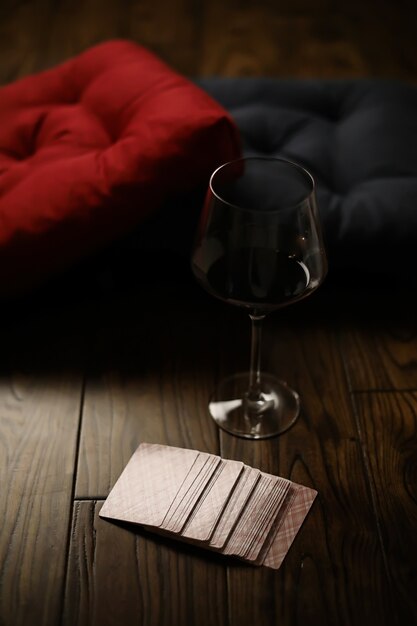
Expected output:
(254, 391)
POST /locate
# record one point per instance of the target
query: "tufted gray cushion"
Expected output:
(359, 140)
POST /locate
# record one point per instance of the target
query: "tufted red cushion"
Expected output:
(90, 148)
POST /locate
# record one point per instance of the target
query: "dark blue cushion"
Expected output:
(359, 140)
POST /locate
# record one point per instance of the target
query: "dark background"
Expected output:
(296, 38)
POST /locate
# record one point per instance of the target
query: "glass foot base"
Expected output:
(273, 413)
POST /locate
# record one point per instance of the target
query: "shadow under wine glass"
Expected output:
(258, 246)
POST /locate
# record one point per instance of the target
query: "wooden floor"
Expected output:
(83, 384)
(87, 377)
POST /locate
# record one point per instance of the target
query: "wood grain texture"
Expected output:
(143, 580)
(40, 393)
(152, 375)
(388, 423)
(298, 39)
(380, 351)
(334, 572)
(21, 43)
(254, 41)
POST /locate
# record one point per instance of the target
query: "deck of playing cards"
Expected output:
(219, 504)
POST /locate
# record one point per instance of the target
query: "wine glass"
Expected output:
(258, 246)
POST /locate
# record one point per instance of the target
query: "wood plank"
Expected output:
(298, 39)
(388, 423)
(380, 346)
(22, 30)
(40, 392)
(148, 380)
(75, 26)
(172, 29)
(143, 580)
(381, 358)
(152, 371)
(303, 42)
(334, 572)
(309, 40)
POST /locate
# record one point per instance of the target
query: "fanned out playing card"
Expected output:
(220, 504)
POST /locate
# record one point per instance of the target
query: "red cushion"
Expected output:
(90, 148)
